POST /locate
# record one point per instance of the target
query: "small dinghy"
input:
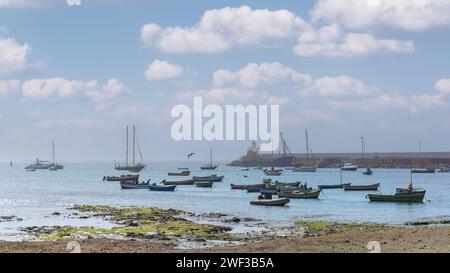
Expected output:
(273, 172)
(155, 187)
(212, 178)
(244, 186)
(287, 184)
(204, 184)
(238, 186)
(333, 186)
(270, 202)
(368, 171)
(372, 187)
(128, 177)
(179, 182)
(129, 185)
(312, 194)
(182, 173)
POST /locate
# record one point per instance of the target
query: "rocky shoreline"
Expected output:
(167, 230)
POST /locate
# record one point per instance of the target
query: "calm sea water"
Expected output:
(33, 196)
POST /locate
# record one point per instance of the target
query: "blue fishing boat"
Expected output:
(155, 187)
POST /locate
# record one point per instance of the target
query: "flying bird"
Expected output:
(191, 154)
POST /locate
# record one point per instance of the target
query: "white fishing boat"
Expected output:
(349, 167)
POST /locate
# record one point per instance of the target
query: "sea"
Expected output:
(32, 198)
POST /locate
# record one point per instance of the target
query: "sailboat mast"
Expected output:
(134, 144)
(53, 151)
(307, 145)
(126, 150)
(210, 156)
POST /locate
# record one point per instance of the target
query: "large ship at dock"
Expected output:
(253, 158)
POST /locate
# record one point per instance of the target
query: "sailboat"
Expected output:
(135, 167)
(54, 166)
(209, 166)
(310, 165)
(368, 170)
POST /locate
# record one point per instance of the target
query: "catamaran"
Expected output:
(310, 165)
(209, 166)
(38, 165)
(135, 167)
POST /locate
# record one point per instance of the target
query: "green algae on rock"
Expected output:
(136, 223)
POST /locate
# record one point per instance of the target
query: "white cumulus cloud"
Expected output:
(413, 15)
(62, 88)
(13, 56)
(329, 41)
(162, 70)
(276, 75)
(443, 86)
(221, 29)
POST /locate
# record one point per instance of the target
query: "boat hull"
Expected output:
(188, 182)
(134, 178)
(133, 186)
(373, 187)
(335, 186)
(204, 184)
(305, 170)
(212, 178)
(162, 188)
(184, 173)
(415, 197)
(301, 195)
(423, 170)
(270, 202)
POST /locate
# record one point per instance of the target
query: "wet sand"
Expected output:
(414, 239)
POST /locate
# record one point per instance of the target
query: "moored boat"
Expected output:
(349, 167)
(155, 187)
(423, 170)
(179, 182)
(333, 186)
(182, 173)
(213, 178)
(244, 186)
(270, 202)
(371, 187)
(127, 177)
(273, 172)
(368, 171)
(209, 166)
(238, 186)
(204, 184)
(130, 185)
(311, 194)
(134, 167)
(411, 197)
(287, 184)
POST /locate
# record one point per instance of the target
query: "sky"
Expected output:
(340, 68)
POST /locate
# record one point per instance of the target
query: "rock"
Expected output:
(232, 220)
(56, 213)
(133, 224)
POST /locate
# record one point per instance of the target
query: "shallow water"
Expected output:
(33, 196)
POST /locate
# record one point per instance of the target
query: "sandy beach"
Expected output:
(152, 230)
(400, 240)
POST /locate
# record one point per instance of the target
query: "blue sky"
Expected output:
(78, 73)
